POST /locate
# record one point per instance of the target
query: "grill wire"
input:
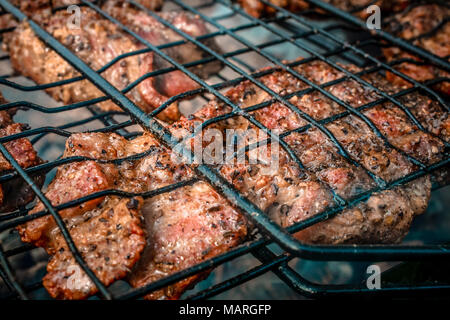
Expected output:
(269, 232)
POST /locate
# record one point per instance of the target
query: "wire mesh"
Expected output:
(269, 232)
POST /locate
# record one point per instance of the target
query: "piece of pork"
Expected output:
(97, 42)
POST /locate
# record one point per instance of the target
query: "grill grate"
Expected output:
(269, 231)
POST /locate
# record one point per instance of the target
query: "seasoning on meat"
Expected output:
(185, 227)
(40, 9)
(97, 42)
(109, 251)
(428, 27)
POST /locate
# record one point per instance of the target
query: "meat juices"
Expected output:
(99, 41)
(16, 193)
(428, 27)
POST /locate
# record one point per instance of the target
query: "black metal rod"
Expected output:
(8, 276)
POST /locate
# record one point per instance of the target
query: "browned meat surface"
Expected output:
(30, 7)
(38, 9)
(148, 28)
(184, 227)
(16, 193)
(107, 231)
(291, 195)
(97, 42)
(257, 8)
(426, 26)
(110, 238)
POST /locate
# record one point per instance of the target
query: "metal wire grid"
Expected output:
(270, 232)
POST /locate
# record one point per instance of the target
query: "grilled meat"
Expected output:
(291, 195)
(150, 4)
(145, 26)
(258, 9)
(193, 223)
(185, 227)
(176, 238)
(106, 230)
(97, 42)
(16, 193)
(110, 239)
(426, 26)
(39, 10)
(154, 5)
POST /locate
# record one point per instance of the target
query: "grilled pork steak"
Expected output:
(16, 193)
(184, 226)
(291, 195)
(99, 41)
(426, 26)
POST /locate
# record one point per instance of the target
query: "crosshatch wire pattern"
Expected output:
(304, 37)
